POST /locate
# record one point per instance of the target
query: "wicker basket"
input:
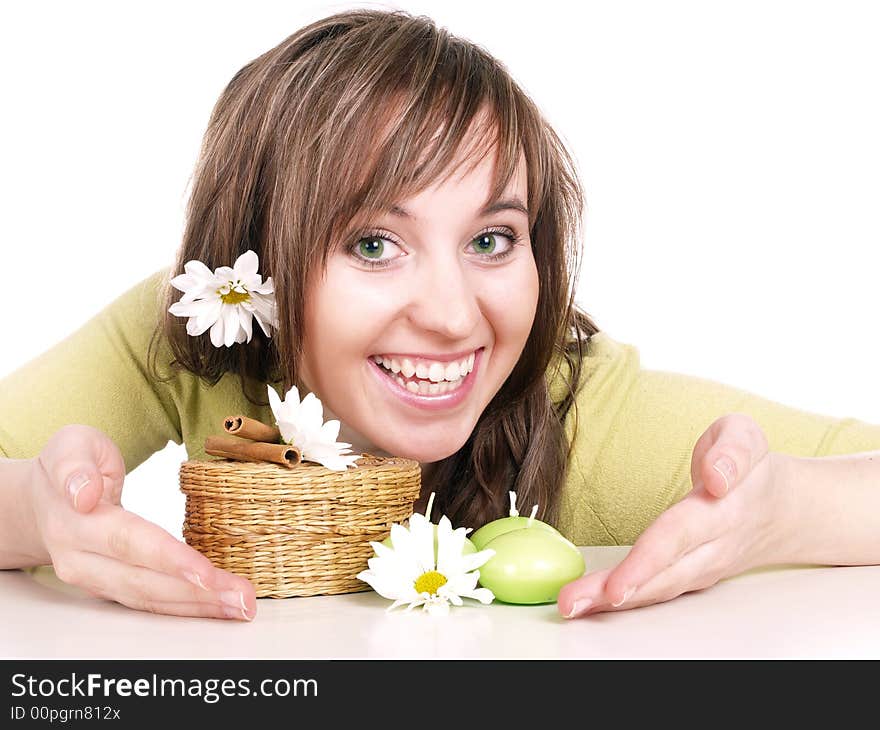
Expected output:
(295, 532)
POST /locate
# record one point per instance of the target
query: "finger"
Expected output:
(80, 485)
(200, 610)
(741, 444)
(686, 526)
(148, 590)
(576, 597)
(124, 536)
(85, 465)
(727, 452)
(696, 571)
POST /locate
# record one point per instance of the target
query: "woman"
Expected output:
(410, 202)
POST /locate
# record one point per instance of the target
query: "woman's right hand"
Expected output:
(96, 544)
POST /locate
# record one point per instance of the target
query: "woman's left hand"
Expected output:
(733, 519)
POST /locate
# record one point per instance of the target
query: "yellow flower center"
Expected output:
(429, 582)
(233, 297)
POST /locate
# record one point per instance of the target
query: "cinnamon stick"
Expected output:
(252, 429)
(233, 448)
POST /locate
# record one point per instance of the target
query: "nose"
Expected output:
(445, 300)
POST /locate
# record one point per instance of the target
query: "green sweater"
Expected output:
(631, 455)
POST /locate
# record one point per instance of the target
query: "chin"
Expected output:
(427, 452)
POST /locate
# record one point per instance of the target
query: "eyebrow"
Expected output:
(495, 207)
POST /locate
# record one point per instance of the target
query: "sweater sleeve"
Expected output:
(96, 376)
(637, 428)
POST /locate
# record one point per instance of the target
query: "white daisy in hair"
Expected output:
(226, 300)
(412, 572)
(302, 425)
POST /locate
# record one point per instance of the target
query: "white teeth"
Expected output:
(423, 387)
(436, 372)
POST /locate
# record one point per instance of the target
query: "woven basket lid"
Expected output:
(386, 479)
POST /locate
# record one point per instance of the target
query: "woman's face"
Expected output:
(434, 302)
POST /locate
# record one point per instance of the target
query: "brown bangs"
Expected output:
(413, 128)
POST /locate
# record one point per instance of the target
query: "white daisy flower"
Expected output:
(409, 572)
(226, 300)
(302, 425)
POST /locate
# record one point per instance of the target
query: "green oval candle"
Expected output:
(530, 565)
(482, 537)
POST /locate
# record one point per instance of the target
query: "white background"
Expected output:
(729, 153)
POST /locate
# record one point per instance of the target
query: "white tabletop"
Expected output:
(788, 611)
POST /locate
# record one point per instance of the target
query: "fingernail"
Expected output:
(234, 605)
(75, 484)
(195, 579)
(725, 467)
(233, 599)
(579, 606)
(627, 594)
(236, 612)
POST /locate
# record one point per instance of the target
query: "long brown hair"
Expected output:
(345, 117)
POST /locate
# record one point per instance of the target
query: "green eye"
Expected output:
(485, 243)
(371, 247)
